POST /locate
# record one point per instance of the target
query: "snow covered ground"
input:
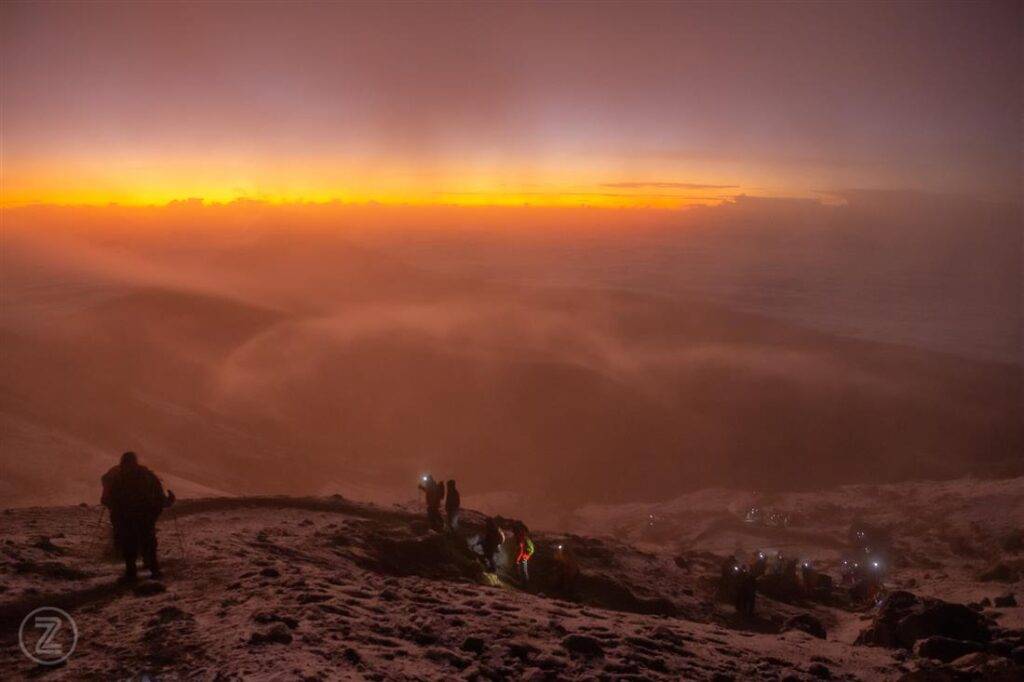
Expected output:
(325, 588)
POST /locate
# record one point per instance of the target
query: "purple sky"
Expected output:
(687, 102)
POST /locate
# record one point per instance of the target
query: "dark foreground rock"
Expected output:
(583, 644)
(903, 619)
(805, 622)
(945, 649)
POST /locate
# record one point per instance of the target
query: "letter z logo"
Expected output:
(46, 647)
(55, 642)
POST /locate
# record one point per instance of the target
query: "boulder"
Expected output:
(583, 644)
(820, 671)
(945, 649)
(474, 645)
(278, 633)
(1005, 601)
(903, 619)
(945, 619)
(805, 622)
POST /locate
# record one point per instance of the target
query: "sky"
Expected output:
(598, 104)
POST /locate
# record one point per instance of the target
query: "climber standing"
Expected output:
(493, 539)
(525, 550)
(452, 504)
(434, 495)
(746, 592)
(567, 569)
(135, 498)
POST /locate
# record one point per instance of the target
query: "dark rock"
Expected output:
(1002, 573)
(44, 543)
(168, 614)
(945, 649)
(805, 622)
(903, 619)
(985, 602)
(667, 635)
(1001, 647)
(424, 638)
(522, 650)
(275, 634)
(1005, 601)
(445, 656)
(149, 588)
(583, 644)
(474, 644)
(820, 671)
(313, 598)
(352, 656)
(270, 572)
(270, 617)
(1017, 655)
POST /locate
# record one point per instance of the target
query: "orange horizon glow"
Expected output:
(28, 191)
(155, 178)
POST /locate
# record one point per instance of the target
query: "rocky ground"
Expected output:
(325, 588)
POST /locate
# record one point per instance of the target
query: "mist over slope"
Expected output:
(255, 354)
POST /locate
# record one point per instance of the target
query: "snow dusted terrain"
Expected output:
(326, 588)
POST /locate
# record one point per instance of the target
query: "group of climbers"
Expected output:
(862, 571)
(494, 536)
(437, 492)
(135, 499)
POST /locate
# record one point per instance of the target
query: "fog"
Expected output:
(545, 358)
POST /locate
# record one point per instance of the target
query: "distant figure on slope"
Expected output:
(728, 575)
(452, 504)
(435, 494)
(746, 592)
(135, 498)
(567, 569)
(760, 565)
(493, 539)
(524, 547)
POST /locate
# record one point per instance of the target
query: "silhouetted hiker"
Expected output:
(567, 569)
(779, 565)
(746, 592)
(493, 539)
(727, 577)
(809, 578)
(435, 494)
(452, 504)
(760, 565)
(135, 498)
(525, 549)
